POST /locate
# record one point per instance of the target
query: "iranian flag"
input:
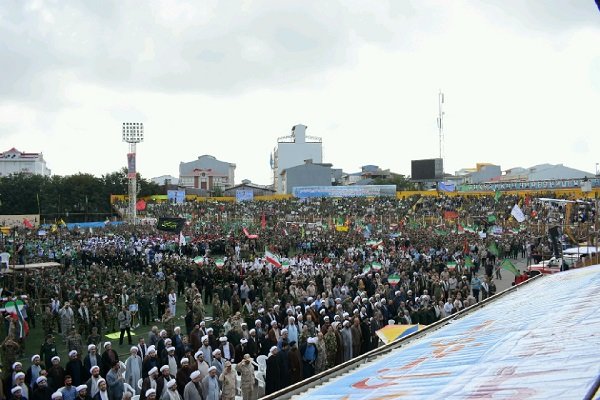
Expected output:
(272, 259)
(375, 243)
(366, 269)
(219, 262)
(451, 265)
(469, 229)
(285, 265)
(199, 260)
(394, 279)
(15, 310)
(376, 266)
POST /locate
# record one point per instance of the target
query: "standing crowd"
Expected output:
(228, 317)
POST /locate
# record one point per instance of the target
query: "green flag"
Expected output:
(497, 196)
(468, 261)
(509, 266)
(491, 218)
(440, 232)
(492, 248)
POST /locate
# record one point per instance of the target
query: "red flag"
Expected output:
(450, 215)
(27, 224)
(466, 247)
(263, 221)
(140, 205)
(248, 235)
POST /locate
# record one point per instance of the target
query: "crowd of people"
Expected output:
(345, 269)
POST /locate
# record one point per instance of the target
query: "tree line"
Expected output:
(72, 198)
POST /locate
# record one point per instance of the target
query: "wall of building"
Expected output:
(306, 175)
(216, 173)
(9, 167)
(558, 172)
(293, 153)
(485, 174)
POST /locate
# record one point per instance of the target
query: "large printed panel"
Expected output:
(539, 342)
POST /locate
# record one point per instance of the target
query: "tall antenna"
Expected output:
(440, 121)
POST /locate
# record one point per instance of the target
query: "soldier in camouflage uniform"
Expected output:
(330, 346)
(10, 350)
(216, 304)
(111, 316)
(198, 309)
(48, 321)
(94, 338)
(226, 311)
(168, 321)
(74, 341)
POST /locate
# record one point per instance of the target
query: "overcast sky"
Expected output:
(521, 81)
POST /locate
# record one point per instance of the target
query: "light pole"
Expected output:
(133, 133)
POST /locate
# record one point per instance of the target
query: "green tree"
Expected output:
(401, 182)
(74, 198)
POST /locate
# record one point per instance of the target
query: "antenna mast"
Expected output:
(440, 121)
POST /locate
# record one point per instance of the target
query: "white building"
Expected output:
(14, 161)
(543, 172)
(165, 180)
(292, 151)
(206, 173)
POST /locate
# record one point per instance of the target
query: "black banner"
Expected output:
(170, 224)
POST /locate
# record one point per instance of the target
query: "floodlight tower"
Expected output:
(440, 122)
(133, 133)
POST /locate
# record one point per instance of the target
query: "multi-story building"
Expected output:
(206, 173)
(14, 161)
(542, 172)
(307, 174)
(257, 190)
(165, 180)
(292, 151)
(483, 172)
(367, 174)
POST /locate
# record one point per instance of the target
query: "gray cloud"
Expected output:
(127, 45)
(218, 49)
(544, 16)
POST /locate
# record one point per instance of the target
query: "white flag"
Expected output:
(517, 213)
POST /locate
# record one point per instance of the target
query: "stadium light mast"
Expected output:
(133, 133)
(440, 121)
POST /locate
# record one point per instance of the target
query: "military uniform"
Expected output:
(198, 310)
(75, 342)
(48, 322)
(331, 348)
(217, 311)
(10, 351)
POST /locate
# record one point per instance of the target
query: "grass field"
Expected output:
(35, 339)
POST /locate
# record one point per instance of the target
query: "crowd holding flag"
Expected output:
(509, 266)
(517, 213)
(272, 259)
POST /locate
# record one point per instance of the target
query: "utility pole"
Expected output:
(440, 122)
